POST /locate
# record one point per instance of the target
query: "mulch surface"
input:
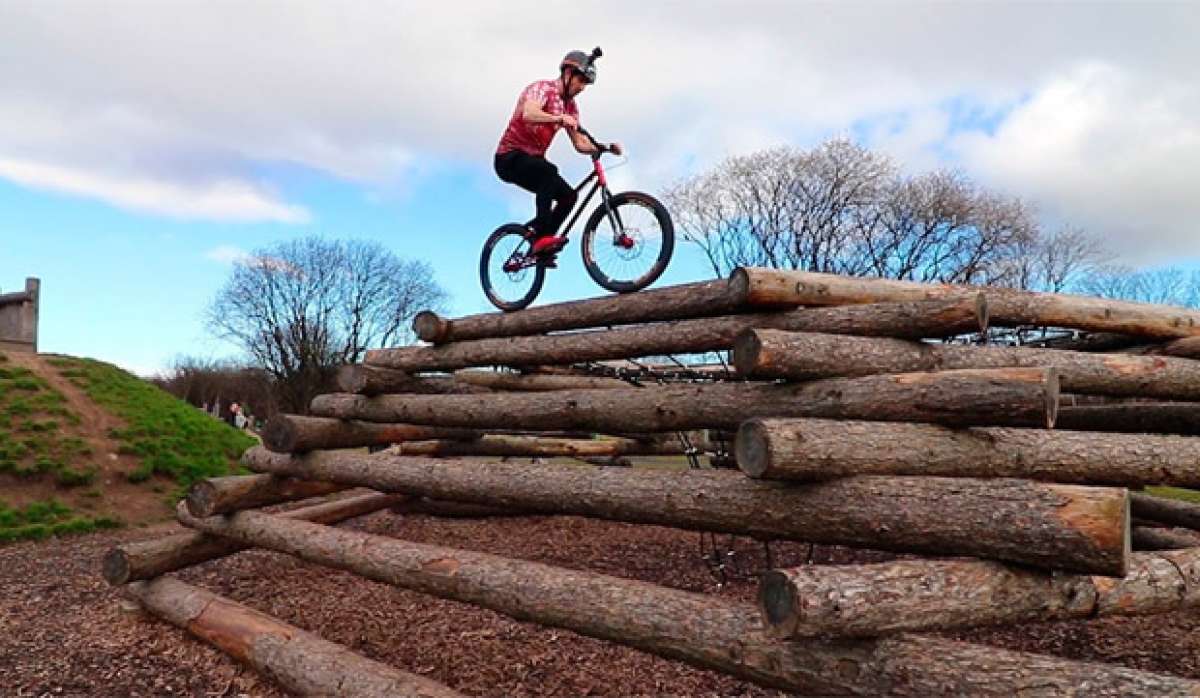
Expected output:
(64, 632)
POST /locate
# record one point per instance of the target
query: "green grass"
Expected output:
(170, 437)
(46, 518)
(1175, 493)
(31, 413)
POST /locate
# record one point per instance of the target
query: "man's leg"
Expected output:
(554, 197)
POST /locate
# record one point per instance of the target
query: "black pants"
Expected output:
(540, 176)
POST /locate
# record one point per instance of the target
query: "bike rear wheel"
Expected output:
(510, 274)
(627, 245)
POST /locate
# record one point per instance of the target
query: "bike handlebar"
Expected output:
(601, 147)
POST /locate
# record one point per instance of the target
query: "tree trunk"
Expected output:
(1059, 526)
(770, 287)
(287, 433)
(702, 299)
(507, 381)
(130, 562)
(221, 495)
(532, 446)
(820, 449)
(1133, 418)
(301, 662)
(1147, 538)
(998, 396)
(906, 595)
(1167, 511)
(374, 380)
(913, 320)
(700, 629)
(805, 356)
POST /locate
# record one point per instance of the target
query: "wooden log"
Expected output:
(700, 629)
(508, 381)
(289, 433)
(910, 595)
(1092, 341)
(1133, 418)
(1172, 512)
(820, 449)
(1014, 396)
(130, 562)
(913, 320)
(521, 446)
(301, 662)
(701, 299)
(221, 495)
(805, 356)
(452, 510)
(1058, 526)
(374, 380)
(771, 287)
(1148, 538)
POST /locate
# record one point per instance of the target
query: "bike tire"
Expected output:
(503, 298)
(628, 201)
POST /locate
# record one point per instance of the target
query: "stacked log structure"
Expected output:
(864, 413)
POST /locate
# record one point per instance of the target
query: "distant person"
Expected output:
(543, 108)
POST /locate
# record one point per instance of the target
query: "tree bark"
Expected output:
(300, 661)
(908, 595)
(702, 299)
(507, 381)
(1084, 529)
(770, 287)
(1147, 538)
(288, 433)
(805, 356)
(532, 446)
(1186, 348)
(1133, 418)
(221, 495)
(1172, 512)
(1092, 341)
(913, 320)
(820, 449)
(130, 562)
(998, 396)
(374, 380)
(703, 630)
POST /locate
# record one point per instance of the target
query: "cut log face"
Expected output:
(709, 632)
(776, 288)
(996, 396)
(1058, 526)
(936, 318)
(302, 662)
(220, 495)
(820, 449)
(805, 356)
(870, 600)
(288, 433)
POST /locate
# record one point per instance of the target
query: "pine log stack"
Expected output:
(868, 413)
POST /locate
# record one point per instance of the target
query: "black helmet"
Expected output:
(582, 63)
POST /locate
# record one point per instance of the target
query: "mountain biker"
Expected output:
(543, 108)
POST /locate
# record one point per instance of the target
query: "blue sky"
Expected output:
(142, 144)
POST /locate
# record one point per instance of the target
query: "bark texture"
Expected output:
(1171, 512)
(220, 495)
(1134, 418)
(289, 433)
(805, 356)
(696, 628)
(373, 380)
(495, 380)
(1149, 538)
(771, 287)
(532, 446)
(1084, 529)
(907, 595)
(303, 663)
(936, 318)
(996, 396)
(820, 449)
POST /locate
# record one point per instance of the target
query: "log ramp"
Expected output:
(867, 413)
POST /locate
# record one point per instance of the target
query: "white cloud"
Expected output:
(227, 254)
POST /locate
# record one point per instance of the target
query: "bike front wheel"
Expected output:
(627, 244)
(508, 270)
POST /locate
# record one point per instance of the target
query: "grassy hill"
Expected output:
(86, 445)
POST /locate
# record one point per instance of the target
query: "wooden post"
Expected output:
(770, 287)
(1084, 529)
(220, 495)
(1014, 396)
(820, 449)
(302, 662)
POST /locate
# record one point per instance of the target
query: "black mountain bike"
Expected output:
(627, 243)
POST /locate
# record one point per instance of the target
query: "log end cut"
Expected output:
(430, 326)
(752, 448)
(280, 434)
(777, 604)
(748, 353)
(353, 378)
(201, 499)
(115, 567)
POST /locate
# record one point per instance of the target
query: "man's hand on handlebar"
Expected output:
(615, 148)
(568, 121)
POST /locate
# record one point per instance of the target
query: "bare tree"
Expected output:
(1169, 285)
(300, 309)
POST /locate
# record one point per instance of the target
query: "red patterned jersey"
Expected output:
(530, 137)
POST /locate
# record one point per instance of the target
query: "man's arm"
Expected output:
(532, 112)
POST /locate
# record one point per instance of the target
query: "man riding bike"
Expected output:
(542, 109)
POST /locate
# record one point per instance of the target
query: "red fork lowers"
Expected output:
(625, 242)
